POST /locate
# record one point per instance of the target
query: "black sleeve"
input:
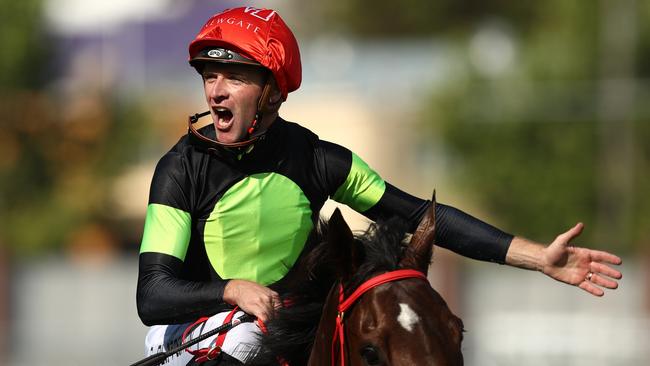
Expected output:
(171, 183)
(333, 163)
(168, 292)
(469, 236)
(163, 298)
(395, 202)
(455, 229)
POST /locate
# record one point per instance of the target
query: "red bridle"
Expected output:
(345, 304)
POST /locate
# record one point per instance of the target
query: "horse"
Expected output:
(363, 300)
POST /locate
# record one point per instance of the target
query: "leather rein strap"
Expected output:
(345, 304)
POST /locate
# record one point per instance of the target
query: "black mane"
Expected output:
(383, 248)
(292, 331)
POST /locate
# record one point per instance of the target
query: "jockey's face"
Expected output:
(232, 92)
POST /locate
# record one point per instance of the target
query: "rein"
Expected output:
(345, 304)
(160, 357)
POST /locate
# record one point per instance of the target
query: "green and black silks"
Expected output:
(215, 215)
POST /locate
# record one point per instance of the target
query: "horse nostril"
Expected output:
(370, 355)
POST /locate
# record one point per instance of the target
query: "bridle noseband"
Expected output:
(345, 304)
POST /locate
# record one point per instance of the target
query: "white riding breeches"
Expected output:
(241, 342)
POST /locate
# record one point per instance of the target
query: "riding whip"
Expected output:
(160, 357)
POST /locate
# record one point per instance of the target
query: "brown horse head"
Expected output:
(404, 322)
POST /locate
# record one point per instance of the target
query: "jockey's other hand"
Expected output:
(252, 298)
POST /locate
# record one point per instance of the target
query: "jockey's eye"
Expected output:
(370, 355)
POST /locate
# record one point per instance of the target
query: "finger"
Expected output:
(272, 300)
(591, 288)
(262, 315)
(600, 256)
(567, 236)
(254, 309)
(271, 303)
(605, 270)
(604, 282)
(277, 302)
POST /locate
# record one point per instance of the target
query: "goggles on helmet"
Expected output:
(223, 55)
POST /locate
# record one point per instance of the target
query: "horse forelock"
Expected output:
(384, 246)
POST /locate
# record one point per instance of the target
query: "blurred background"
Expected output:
(530, 115)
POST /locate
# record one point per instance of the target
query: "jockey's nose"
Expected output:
(216, 88)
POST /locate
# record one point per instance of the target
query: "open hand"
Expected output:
(588, 269)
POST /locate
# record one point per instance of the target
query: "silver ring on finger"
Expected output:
(589, 276)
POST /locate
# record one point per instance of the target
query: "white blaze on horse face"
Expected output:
(407, 317)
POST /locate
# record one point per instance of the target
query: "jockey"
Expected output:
(231, 204)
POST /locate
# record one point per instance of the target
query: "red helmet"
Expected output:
(256, 34)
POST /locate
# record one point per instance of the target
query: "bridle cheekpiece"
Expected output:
(346, 303)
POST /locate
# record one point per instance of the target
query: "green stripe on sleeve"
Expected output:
(166, 230)
(362, 188)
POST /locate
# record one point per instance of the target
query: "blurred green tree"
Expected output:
(23, 39)
(59, 155)
(551, 141)
(410, 18)
(561, 134)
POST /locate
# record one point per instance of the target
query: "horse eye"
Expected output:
(370, 355)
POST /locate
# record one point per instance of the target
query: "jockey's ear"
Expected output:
(275, 98)
(418, 253)
(345, 251)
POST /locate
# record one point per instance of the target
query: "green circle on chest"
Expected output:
(258, 228)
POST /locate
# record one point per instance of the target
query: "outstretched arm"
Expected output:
(351, 181)
(591, 270)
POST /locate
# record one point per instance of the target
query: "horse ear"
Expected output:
(345, 250)
(420, 248)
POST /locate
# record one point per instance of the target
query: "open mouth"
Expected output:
(224, 117)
